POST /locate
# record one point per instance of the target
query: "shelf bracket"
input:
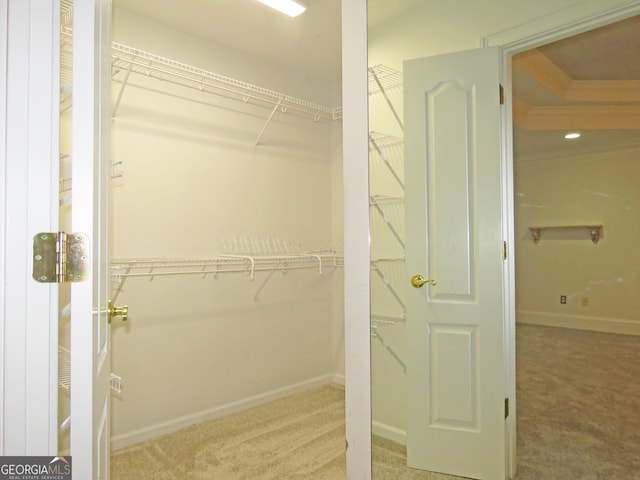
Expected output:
(375, 333)
(388, 223)
(386, 162)
(124, 84)
(252, 263)
(266, 280)
(386, 97)
(387, 284)
(273, 112)
(317, 257)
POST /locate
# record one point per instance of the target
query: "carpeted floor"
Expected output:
(578, 409)
(578, 395)
(298, 437)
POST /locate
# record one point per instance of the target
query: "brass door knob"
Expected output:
(418, 281)
(113, 311)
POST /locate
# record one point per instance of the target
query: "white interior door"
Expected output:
(90, 359)
(456, 360)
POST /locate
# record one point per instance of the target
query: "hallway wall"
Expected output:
(590, 189)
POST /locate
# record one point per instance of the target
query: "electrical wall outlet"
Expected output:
(563, 299)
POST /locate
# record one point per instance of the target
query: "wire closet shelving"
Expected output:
(243, 255)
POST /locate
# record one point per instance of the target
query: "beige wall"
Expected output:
(592, 188)
(198, 348)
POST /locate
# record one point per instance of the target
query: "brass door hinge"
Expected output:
(501, 95)
(60, 257)
(504, 250)
(506, 407)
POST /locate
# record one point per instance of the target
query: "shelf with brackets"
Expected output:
(246, 256)
(127, 60)
(567, 232)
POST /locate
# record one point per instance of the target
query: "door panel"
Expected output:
(456, 364)
(90, 356)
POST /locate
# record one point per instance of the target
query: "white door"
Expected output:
(456, 360)
(90, 359)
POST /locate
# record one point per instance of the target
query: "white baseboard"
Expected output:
(173, 425)
(579, 322)
(390, 433)
(339, 379)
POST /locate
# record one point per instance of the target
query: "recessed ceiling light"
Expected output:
(288, 7)
(572, 135)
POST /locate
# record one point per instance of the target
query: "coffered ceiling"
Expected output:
(588, 83)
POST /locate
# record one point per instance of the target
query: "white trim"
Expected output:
(338, 379)
(356, 239)
(389, 432)
(136, 436)
(4, 28)
(30, 184)
(545, 29)
(561, 24)
(580, 322)
(593, 154)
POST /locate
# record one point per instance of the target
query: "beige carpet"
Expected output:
(578, 405)
(299, 437)
(578, 419)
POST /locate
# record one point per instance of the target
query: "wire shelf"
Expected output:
(383, 78)
(384, 140)
(248, 264)
(64, 368)
(128, 59)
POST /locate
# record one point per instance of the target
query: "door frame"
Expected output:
(511, 42)
(29, 159)
(550, 26)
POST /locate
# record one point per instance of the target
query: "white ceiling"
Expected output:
(311, 44)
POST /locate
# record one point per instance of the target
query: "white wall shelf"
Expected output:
(593, 232)
(248, 264)
(129, 59)
(386, 170)
(126, 60)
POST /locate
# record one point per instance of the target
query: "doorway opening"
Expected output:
(574, 281)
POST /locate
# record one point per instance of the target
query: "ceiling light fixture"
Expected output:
(571, 135)
(288, 7)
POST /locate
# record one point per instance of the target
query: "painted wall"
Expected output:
(434, 28)
(593, 188)
(196, 348)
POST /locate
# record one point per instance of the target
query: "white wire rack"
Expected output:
(64, 380)
(66, 67)
(382, 78)
(64, 368)
(126, 59)
(64, 372)
(244, 255)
